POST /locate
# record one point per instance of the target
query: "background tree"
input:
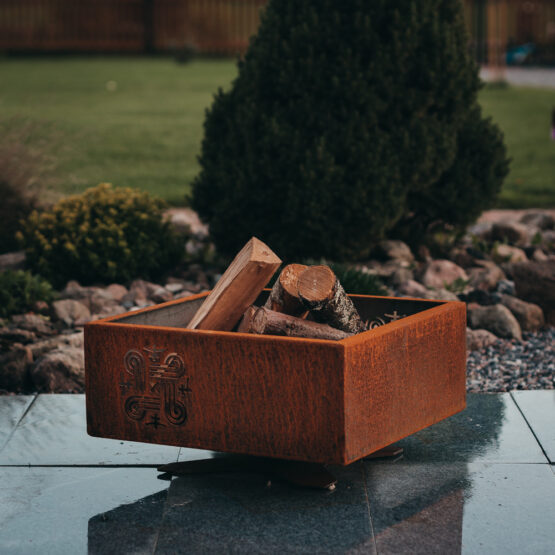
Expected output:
(344, 120)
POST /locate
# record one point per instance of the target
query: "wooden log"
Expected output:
(264, 321)
(284, 297)
(320, 291)
(238, 288)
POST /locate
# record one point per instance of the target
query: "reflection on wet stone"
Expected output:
(131, 528)
(237, 512)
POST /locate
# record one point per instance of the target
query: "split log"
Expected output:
(268, 322)
(284, 297)
(320, 291)
(238, 288)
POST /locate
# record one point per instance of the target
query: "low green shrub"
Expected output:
(16, 206)
(103, 235)
(19, 290)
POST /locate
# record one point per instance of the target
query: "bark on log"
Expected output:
(320, 291)
(284, 297)
(268, 322)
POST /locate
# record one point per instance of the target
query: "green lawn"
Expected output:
(524, 115)
(146, 133)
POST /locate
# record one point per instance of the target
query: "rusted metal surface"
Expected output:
(150, 379)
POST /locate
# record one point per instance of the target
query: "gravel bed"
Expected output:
(511, 364)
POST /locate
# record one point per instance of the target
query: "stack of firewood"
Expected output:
(305, 301)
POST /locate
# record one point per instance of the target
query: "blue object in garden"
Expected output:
(517, 55)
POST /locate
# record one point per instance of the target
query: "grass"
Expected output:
(138, 122)
(524, 115)
(146, 133)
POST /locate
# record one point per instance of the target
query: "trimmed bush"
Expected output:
(19, 290)
(103, 235)
(16, 205)
(344, 119)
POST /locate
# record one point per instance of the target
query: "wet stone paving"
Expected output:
(482, 481)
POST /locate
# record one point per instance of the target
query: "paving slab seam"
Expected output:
(164, 513)
(531, 429)
(365, 477)
(19, 422)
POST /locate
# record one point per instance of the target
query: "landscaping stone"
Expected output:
(175, 287)
(116, 291)
(497, 319)
(510, 231)
(535, 283)
(75, 340)
(529, 315)
(102, 301)
(412, 288)
(480, 296)
(541, 220)
(68, 311)
(15, 335)
(13, 368)
(40, 325)
(439, 273)
(12, 261)
(506, 286)
(485, 275)
(395, 250)
(61, 370)
(479, 339)
(506, 253)
(440, 295)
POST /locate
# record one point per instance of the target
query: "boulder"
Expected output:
(59, 371)
(497, 319)
(412, 288)
(39, 325)
(535, 283)
(440, 295)
(529, 315)
(506, 253)
(511, 232)
(541, 220)
(116, 291)
(68, 311)
(12, 261)
(479, 339)
(439, 273)
(395, 250)
(102, 301)
(75, 340)
(14, 366)
(485, 275)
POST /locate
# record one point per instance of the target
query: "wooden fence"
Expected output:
(224, 26)
(211, 26)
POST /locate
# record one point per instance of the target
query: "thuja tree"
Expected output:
(345, 121)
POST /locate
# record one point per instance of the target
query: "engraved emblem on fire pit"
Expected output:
(158, 387)
(381, 321)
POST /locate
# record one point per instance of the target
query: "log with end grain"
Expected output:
(238, 288)
(264, 321)
(284, 297)
(321, 293)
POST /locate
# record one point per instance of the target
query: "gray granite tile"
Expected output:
(538, 408)
(12, 408)
(490, 429)
(79, 510)
(469, 508)
(54, 432)
(238, 513)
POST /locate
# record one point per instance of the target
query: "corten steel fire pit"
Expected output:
(150, 379)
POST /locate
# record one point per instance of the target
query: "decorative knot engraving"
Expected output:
(158, 388)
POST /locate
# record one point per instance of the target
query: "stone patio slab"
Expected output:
(63, 510)
(462, 508)
(538, 407)
(12, 408)
(490, 429)
(54, 433)
(239, 513)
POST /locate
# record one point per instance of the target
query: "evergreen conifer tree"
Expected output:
(345, 119)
